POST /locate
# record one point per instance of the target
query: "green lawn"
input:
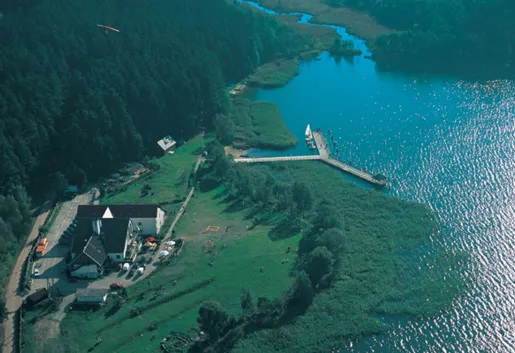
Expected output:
(169, 183)
(235, 262)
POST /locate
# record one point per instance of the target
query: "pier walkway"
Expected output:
(278, 159)
(324, 155)
(321, 143)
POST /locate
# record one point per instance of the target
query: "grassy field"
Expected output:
(223, 262)
(169, 183)
(358, 23)
(260, 124)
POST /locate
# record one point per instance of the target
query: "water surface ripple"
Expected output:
(447, 143)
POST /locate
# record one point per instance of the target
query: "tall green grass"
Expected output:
(260, 124)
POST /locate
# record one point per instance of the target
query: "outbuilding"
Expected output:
(36, 297)
(91, 296)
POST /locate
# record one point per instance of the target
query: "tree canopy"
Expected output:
(470, 36)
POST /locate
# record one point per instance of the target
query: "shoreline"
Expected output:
(235, 152)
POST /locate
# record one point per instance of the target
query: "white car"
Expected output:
(36, 272)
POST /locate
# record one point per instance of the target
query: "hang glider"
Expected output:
(107, 28)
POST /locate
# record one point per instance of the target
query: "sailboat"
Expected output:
(309, 138)
(309, 134)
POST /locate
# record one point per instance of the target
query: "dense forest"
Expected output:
(474, 37)
(76, 102)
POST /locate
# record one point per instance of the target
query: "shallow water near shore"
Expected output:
(445, 142)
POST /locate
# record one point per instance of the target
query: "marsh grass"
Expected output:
(260, 124)
(389, 268)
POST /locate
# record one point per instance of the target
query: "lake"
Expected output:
(445, 142)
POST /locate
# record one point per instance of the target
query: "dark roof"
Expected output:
(95, 250)
(114, 231)
(90, 292)
(118, 211)
(37, 296)
(112, 238)
(82, 233)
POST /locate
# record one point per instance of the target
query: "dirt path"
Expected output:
(12, 299)
(155, 259)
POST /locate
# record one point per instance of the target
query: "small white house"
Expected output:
(167, 144)
(91, 296)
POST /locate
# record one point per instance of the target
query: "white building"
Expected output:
(147, 219)
(167, 144)
(91, 296)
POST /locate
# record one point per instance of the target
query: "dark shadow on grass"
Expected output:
(113, 310)
(285, 229)
(232, 206)
(221, 194)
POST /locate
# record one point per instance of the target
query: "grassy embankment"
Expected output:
(382, 272)
(260, 124)
(359, 23)
(227, 261)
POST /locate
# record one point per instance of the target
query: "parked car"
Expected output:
(131, 272)
(116, 285)
(36, 272)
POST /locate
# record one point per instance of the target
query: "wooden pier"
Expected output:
(324, 155)
(278, 159)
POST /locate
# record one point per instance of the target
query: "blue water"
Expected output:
(447, 143)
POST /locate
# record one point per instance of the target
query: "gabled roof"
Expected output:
(114, 232)
(90, 292)
(117, 211)
(82, 233)
(112, 239)
(95, 250)
(107, 214)
(166, 142)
